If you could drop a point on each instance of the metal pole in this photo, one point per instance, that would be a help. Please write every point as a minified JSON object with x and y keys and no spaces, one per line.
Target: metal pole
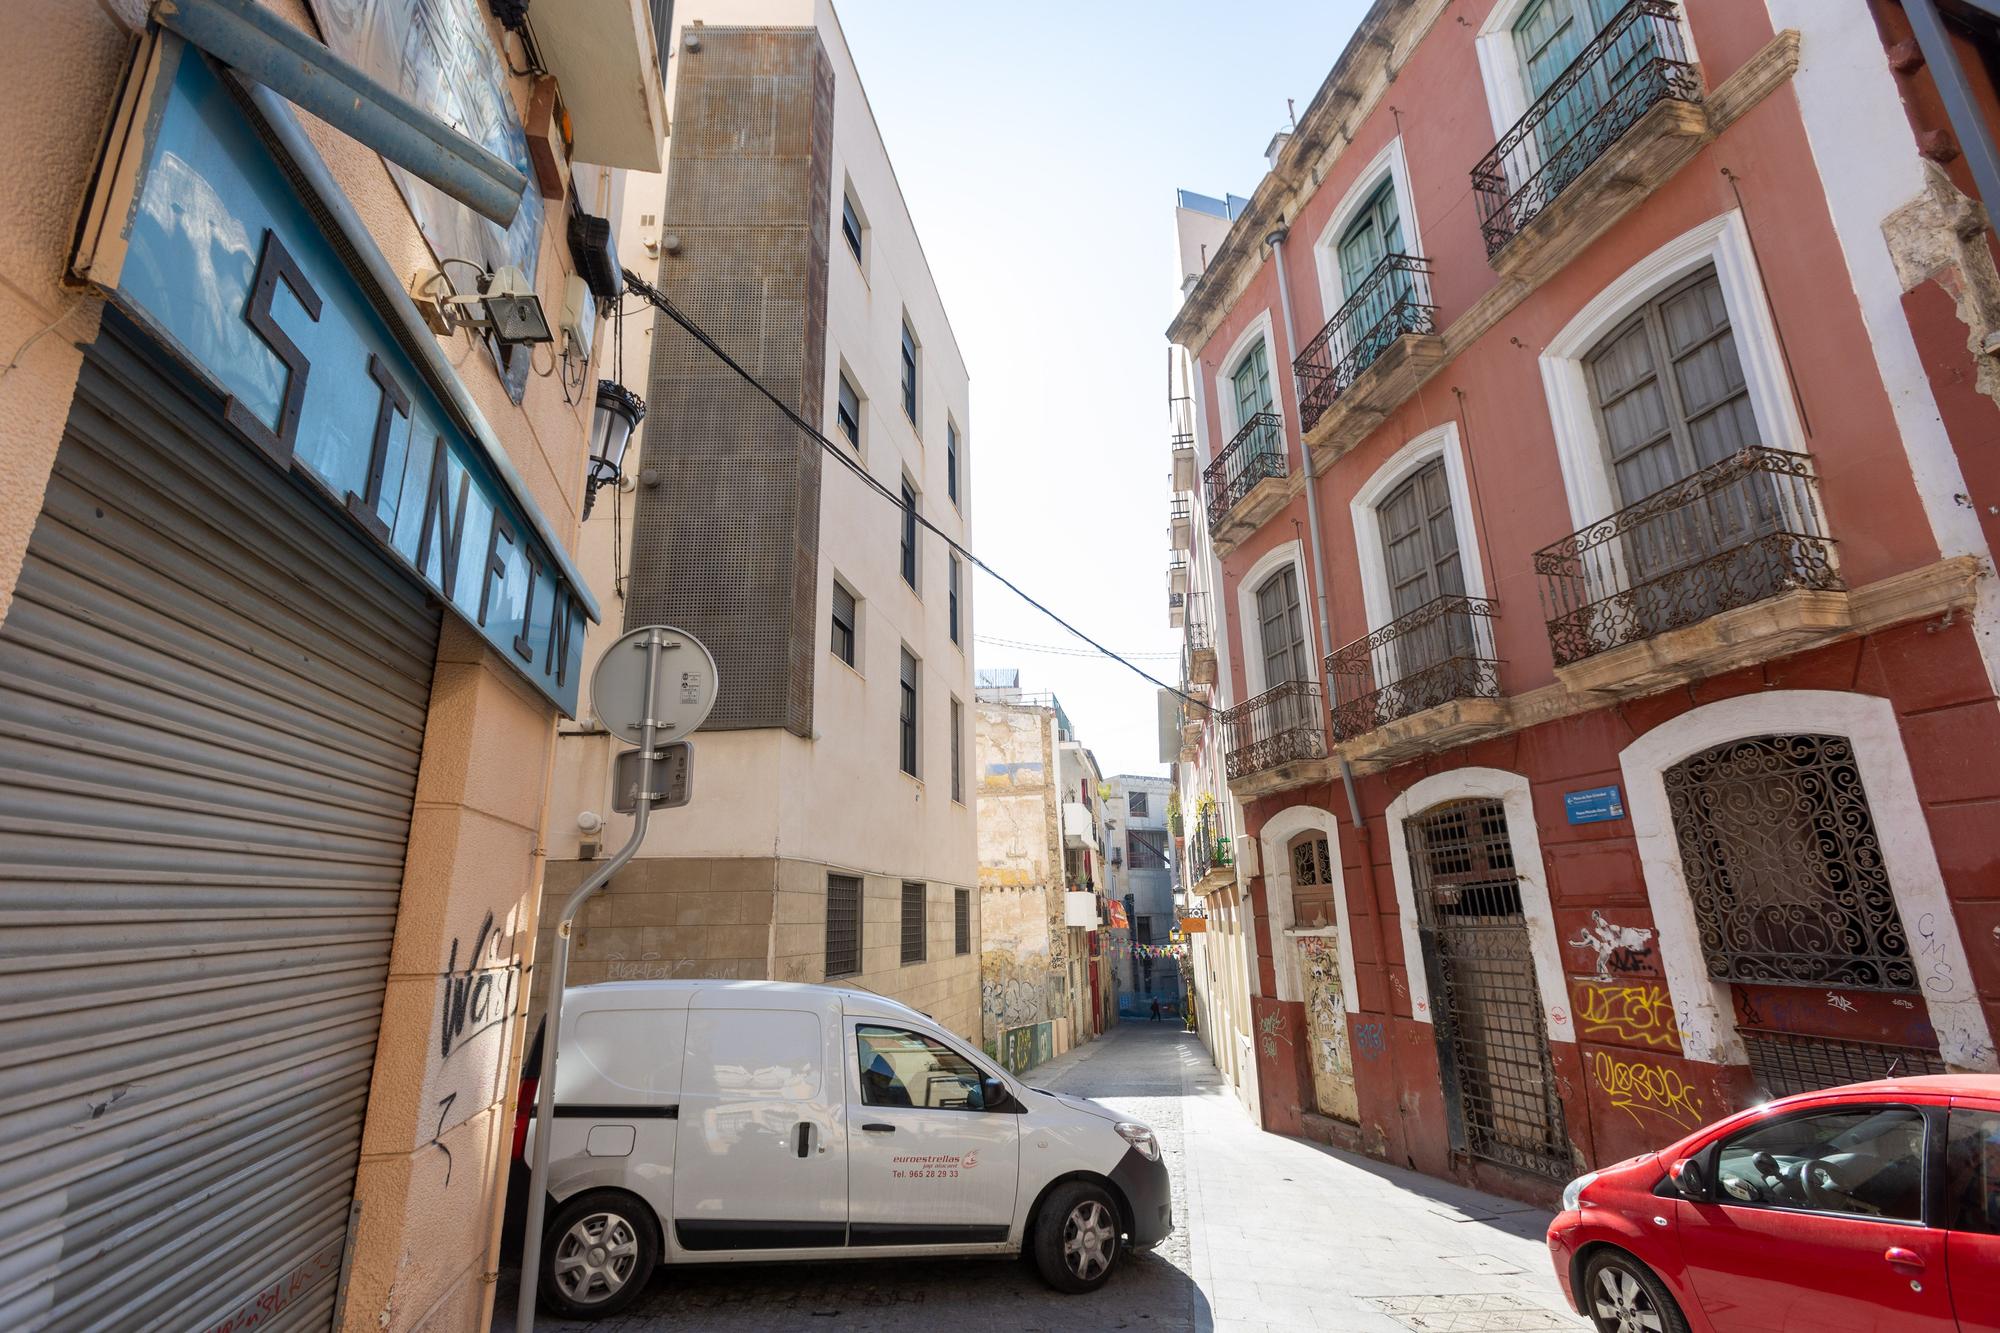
{"x":545,"y":1091}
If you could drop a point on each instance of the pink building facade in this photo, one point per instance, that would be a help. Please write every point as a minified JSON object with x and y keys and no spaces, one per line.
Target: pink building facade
{"x":1606,"y":611}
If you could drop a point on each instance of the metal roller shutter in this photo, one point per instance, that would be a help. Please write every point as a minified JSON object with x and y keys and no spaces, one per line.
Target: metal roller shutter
{"x":212,"y":699}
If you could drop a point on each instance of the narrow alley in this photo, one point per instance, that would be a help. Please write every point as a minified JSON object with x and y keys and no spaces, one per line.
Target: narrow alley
{"x":1325,"y":1241}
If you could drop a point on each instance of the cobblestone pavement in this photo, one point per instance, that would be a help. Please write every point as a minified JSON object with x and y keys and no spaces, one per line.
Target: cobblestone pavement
{"x":1272,"y":1234}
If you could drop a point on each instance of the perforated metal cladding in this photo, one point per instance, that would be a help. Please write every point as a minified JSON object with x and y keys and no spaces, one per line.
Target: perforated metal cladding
{"x":726,"y":545}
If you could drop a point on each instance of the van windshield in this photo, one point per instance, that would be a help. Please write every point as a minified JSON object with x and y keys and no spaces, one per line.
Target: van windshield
{"x":904,"y":1068}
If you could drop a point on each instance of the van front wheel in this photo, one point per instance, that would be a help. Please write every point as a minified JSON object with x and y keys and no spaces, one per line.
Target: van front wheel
{"x":598,"y":1255}
{"x":1076,"y":1237}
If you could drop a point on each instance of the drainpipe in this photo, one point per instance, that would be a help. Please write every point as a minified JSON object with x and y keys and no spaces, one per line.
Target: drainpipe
{"x":1276,"y":240}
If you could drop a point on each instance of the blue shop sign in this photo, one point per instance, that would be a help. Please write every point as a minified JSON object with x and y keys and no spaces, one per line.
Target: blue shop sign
{"x":207,"y":243}
{"x":1594,"y":806}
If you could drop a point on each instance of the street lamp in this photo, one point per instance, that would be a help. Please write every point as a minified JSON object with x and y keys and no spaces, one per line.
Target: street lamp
{"x":619,"y":412}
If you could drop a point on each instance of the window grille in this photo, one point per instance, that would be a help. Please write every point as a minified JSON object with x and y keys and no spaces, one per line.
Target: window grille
{"x":958,"y":751}
{"x":843,"y":624}
{"x":907,"y":724}
{"x":1785,"y":868}
{"x":1783,"y":1063}
{"x":1312,"y":882}
{"x":843,"y":925}
{"x":913,"y":922}
{"x":961,"y":921}
{"x":1487,"y":1008}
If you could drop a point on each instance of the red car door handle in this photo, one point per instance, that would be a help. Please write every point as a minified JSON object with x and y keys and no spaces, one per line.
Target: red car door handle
{"x":1903,"y":1258}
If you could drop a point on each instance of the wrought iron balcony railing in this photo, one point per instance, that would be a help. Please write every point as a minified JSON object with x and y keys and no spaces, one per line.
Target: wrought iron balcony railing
{"x":1438,"y":653}
{"x":1393,"y":300}
{"x":1257,"y":452}
{"x":1278,"y":726}
{"x":1200,"y":634}
{"x":1735,"y":533}
{"x":1637,"y":61}
{"x":1207,"y":850}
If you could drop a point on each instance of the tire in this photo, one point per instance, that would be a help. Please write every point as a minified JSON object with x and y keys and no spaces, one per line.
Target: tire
{"x":1076,"y":1237}
{"x":1622,"y":1295}
{"x":598,"y":1254}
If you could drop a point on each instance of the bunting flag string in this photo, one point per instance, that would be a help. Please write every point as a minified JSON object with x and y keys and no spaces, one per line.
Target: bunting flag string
{"x":1156,"y":950}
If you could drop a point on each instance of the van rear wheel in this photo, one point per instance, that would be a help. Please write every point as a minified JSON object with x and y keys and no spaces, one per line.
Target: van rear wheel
{"x":1076,"y":1237}
{"x":598,"y":1254}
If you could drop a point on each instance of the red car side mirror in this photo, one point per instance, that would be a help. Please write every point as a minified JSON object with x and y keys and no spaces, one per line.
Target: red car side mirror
{"x":1689,"y":1178}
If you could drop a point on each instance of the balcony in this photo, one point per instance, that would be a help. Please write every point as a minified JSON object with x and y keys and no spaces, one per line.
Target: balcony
{"x":1180,"y":417}
{"x":1200,"y":641}
{"x":1246,"y":482}
{"x":1424,"y":682}
{"x":1180,"y":524}
{"x":1727,"y":565}
{"x":1210,"y":863}
{"x":1176,"y":609}
{"x":1276,"y":740}
{"x":1371,"y":356}
{"x":1079,"y":825}
{"x":1626,"y":114}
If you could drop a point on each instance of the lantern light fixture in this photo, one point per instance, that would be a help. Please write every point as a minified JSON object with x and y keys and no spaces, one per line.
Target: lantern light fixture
{"x":619,"y":412}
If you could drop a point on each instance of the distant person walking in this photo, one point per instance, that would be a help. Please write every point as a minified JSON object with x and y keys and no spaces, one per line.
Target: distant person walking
{"x":1156,"y":1011}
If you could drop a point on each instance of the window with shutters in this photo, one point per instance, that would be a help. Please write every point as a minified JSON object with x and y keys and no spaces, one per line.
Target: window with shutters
{"x":913,"y":922}
{"x":907,"y":718}
{"x":961,"y":921}
{"x":843,"y":925}
{"x":957,"y":751}
{"x":846,"y":616}
{"x":951,"y":459}
{"x":909,"y":551}
{"x":847,"y":410}
{"x":955,"y":572}
{"x":1251,"y":380}
{"x":1281,"y":633}
{"x":909,"y":373}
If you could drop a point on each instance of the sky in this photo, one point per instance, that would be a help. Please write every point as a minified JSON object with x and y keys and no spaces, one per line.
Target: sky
{"x":1039,"y":146}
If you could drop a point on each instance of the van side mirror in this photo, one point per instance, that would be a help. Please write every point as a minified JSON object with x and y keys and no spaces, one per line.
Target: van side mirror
{"x":994,"y":1096}
{"x":1689,"y":1178}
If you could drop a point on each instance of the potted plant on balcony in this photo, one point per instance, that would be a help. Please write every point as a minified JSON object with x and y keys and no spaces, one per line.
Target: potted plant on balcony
{"x":1174,"y":825}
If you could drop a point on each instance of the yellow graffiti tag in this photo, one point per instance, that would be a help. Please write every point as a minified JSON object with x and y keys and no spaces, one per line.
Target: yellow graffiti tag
{"x":1633,"y":1087}
{"x":1640,"y":1013}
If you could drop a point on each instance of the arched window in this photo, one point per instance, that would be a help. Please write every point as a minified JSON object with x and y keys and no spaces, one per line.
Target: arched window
{"x":1251,"y":378}
{"x":1311,"y":861}
{"x":1281,"y":632}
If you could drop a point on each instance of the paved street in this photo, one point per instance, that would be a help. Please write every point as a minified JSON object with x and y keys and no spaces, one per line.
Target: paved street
{"x":1274,"y":1234}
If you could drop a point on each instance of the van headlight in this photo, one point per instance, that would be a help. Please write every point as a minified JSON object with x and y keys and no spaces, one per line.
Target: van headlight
{"x":1573,"y":1192}
{"x":1139,"y":1137}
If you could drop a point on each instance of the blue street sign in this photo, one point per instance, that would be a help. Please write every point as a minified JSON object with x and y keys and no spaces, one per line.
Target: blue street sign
{"x":1595,"y":805}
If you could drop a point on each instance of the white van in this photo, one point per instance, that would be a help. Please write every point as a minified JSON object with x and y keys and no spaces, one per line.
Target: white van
{"x":725,"y":1122}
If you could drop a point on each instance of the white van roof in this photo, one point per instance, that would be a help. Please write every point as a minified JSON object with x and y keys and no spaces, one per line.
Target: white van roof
{"x":678,"y":993}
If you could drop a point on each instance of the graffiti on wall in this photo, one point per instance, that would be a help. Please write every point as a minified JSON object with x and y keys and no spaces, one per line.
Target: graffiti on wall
{"x":475,"y":1028}
{"x":1636,"y":1014}
{"x":1326,"y":1028}
{"x":1620,"y":950}
{"x":1640,"y":1088}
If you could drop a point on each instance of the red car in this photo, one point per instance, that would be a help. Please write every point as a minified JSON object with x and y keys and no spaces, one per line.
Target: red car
{"x":1869,"y":1207}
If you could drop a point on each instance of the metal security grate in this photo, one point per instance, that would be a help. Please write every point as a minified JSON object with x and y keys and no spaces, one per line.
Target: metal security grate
{"x":1785,"y":868}
{"x":1784,"y":1063}
{"x":913,"y":922}
{"x":961,"y":921}
{"x":1486,"y":1005}
{"x":843,"y":925}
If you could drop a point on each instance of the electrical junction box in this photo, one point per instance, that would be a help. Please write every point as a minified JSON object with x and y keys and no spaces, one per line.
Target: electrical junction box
{"x":579,"y":316}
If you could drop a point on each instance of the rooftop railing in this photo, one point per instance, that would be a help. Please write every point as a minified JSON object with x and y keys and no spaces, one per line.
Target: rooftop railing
{"x":1256,"y":453}
{"x":1438,"y":653}
{"x":1393,"y":300}
{"x":1733,"y":534}
{"x":1637,"y":61}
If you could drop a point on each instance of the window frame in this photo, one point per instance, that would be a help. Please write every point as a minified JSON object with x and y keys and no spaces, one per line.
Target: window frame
{"x":1389,"y":165}
{"x":1929,"y":1203}
{"x":914,"y":948}
{"x":954,"y":576}
{"x":910,"y":564}
{"x":986,"y":1076}
{"x":857,"y":236}
{"x":1949,"y":1214}
{"x":951,"y":459}
{"x":957,"y":750}
{"x":845,"y":388}
{"x":852,"y":657}
{"x":1138,"y":804}
{"x":961,"y":922}
{"x":909,"y":379}
{"x":909,"y":719}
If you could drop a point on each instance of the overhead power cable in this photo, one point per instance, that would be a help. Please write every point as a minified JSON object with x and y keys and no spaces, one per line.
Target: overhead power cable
{"x":659,"y":300}
{"x":1059,"y":650}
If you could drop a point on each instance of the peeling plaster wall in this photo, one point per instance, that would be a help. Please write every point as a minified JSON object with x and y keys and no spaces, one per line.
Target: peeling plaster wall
{"x":1024,"y":968}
